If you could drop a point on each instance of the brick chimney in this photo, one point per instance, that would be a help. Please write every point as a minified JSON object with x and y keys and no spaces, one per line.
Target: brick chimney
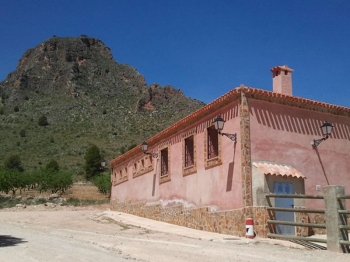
{"x":282,"y":79}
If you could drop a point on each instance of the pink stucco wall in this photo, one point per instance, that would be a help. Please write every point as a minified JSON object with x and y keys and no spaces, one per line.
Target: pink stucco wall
{"x":283,"y":134}
{"x":219,"y":186}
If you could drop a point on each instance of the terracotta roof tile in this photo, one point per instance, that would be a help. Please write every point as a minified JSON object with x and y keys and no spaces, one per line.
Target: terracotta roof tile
{"x":278,"y":170}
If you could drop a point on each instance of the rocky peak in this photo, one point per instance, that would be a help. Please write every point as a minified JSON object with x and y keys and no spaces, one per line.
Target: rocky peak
{"x":68,"y":49}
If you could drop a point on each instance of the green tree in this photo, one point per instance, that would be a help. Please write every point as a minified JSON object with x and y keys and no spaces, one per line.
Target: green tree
{"x":59,"y":181}
{"x":11,"y":180}
{"x":33,"y":179}
{"x":5,"y":183}
{"x":13,"y":162}
{"x":53,"y":165}
{"x":103,"y":183}
{"x":43,"y":121}
{"x":54,"y":181}
{"x":93,"y":161}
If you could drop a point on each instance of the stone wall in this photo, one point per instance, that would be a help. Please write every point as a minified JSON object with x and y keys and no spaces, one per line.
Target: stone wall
{"x":231,"y":222}
{"x":311,"y":218}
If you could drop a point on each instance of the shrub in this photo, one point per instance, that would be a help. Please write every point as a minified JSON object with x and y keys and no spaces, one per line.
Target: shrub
{"x":43,"y":121}
{"x":16,"y":109}
{"x":53,"y":165}
{"x":132,"y":146}
{"x":22,"y":133}
{"x":122,"y":150}
{"x":13,"y":162}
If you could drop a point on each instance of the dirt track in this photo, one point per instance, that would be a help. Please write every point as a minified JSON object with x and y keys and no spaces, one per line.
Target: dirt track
{"x":92,"y":234}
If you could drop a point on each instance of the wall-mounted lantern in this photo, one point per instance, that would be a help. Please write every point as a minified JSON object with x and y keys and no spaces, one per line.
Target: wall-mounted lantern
{"x":219,"y":126}
{"x":144,"y":147}
{"x":327,"y":129}
{"x":103,"y":164}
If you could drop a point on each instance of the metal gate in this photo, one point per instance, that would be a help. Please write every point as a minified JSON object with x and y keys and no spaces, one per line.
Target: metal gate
{"x":276,"y":221}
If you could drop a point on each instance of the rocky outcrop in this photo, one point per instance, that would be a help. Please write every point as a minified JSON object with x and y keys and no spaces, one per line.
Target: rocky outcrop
{"x":157,"y":95}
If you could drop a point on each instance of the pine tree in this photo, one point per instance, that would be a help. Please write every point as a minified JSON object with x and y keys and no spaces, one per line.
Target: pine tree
{"x":93,"y":161}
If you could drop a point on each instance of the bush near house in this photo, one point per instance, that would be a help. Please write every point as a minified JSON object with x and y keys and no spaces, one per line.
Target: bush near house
{"x":103,"y":183}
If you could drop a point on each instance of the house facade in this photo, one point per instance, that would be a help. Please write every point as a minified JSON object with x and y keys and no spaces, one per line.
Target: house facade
{"x":195,"y":176}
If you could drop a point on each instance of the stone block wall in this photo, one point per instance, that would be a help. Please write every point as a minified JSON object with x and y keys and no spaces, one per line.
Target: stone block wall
{"x":231,"y":222}
{"x":310,"y":218}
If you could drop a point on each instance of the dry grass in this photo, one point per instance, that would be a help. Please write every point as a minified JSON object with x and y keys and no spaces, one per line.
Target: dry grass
{"x":81,"y":192}
{"x":84,"y":192}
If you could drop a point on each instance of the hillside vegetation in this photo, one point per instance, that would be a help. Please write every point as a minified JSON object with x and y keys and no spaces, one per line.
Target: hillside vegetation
{"x":69,"y":93}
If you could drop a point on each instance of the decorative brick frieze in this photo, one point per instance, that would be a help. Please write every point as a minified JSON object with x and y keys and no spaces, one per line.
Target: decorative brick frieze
{"x":163,"y":145}
{"x":190,"y":132}
{"x":231,"y":222}
{"x":120,"y":175}
{"x":142,"y":166}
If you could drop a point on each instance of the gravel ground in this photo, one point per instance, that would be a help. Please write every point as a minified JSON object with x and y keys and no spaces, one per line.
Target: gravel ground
{"x":60,"y":233}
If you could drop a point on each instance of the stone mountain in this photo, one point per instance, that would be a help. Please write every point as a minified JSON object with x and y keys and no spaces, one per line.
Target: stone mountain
{"x":87,"y":98}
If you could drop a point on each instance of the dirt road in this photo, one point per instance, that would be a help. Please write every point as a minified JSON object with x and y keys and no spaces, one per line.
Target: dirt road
{"x":91,"y":234}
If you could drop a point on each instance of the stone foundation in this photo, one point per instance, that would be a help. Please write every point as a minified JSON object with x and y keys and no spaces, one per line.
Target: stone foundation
{"x":231,"y":222}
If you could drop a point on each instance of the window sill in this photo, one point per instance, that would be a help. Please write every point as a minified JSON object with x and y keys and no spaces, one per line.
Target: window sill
{"x":164,"y":179}
{"x":213,"y":162}
{"x":189,"y":170}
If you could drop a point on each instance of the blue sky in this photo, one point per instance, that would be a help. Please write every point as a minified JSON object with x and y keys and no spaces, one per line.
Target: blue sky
{"x":205,"y":48}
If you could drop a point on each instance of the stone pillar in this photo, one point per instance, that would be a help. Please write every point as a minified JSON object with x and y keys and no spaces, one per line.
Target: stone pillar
{"x":332,"y":217}
{"x":246,"y":165}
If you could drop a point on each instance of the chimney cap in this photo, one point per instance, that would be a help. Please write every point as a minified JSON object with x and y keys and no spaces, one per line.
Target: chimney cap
{"x":279,"y":68}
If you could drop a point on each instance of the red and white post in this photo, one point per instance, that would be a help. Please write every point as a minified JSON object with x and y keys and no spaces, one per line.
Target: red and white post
{"x":249,"y":228}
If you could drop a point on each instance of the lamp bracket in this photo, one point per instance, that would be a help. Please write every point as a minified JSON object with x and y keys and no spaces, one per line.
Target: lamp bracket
{"x":154,"y":155}
{"x":316,"y":142}
{"x":233,"y":137}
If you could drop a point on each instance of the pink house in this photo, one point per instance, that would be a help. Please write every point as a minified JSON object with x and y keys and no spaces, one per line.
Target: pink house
{"x":195,"y":176}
